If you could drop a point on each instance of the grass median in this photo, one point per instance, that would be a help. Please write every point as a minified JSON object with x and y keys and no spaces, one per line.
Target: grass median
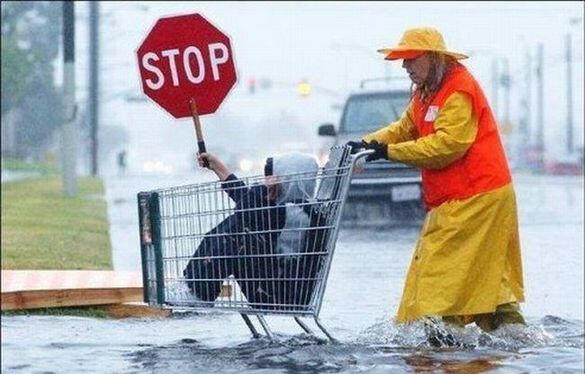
{"x":44,"y":230}
{"x":44,"y":168}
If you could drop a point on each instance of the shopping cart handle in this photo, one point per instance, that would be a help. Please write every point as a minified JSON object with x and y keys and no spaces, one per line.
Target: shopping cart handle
{"x":363,"y":153}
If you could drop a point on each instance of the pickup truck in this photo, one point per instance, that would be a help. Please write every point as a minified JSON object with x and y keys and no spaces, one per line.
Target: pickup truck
{"x":383,"y":191}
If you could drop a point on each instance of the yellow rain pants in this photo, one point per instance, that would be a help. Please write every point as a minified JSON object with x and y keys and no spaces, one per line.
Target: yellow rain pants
{"x":467,"y":259}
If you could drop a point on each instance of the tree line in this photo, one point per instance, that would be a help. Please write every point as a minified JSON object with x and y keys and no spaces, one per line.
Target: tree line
{"x":31,"y":101}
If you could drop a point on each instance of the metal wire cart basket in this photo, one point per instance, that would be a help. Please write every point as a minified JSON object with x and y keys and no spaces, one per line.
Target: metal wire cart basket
{"x":218,"y":245}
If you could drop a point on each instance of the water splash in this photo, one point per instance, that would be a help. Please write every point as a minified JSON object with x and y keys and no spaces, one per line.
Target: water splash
{"x":382,"y":347}
{"x":178,"y":291}
{"x":515,"y":337}
{"x":385,"y":332}
{"x":550,"y":331}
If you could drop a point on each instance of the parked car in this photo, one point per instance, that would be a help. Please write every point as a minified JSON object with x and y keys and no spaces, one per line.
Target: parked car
{"x":384,"y":190}
{"x":566,"y":165}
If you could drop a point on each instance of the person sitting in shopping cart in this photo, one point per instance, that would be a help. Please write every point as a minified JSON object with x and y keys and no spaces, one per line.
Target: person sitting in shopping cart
{"x":264,"y":243}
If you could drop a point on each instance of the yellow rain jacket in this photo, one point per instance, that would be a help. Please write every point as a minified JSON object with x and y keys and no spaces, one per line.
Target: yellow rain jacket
{"x":467,"y":259}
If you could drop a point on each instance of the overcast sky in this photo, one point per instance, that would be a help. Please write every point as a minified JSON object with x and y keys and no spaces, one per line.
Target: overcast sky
{"x":333,"y":45}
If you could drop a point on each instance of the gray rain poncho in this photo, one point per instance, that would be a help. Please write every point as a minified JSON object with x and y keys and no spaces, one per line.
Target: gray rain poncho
{"x":297,"y":174}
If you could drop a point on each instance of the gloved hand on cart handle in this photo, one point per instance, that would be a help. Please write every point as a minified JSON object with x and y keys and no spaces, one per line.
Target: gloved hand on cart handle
{"x":356,"y":146}
{"x":215,"y":164}
{"x":380,"y":150}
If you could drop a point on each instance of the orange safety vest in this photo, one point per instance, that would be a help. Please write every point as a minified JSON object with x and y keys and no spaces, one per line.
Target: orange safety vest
{"x":484,"y":166}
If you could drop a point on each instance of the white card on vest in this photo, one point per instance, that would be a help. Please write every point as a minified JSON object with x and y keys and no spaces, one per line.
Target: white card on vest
{"x":432,"y":113}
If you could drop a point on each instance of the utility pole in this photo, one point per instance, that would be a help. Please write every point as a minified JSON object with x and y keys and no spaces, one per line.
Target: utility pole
{"x":525,"y":101}
{"x":495,"y":84}
{"x":569,"y":98}
{"x":506,"y":83}
{"x":69,"y":134}
{"x":94,"y":82}
{"x":540,"y":107}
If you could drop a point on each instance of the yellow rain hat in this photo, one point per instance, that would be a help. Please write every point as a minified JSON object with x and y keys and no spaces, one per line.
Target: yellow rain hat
{"x":416,"y":41}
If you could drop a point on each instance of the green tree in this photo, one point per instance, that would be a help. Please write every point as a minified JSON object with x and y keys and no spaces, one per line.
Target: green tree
{"x":16,"y":64}
{"x":16,"y":69}
{"x":31,"y":36}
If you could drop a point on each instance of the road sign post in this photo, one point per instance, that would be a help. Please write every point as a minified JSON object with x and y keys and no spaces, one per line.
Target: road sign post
{"x":198,"y":131}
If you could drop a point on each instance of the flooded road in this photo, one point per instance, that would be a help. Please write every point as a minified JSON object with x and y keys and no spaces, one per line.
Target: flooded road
{"x":361,"y":298}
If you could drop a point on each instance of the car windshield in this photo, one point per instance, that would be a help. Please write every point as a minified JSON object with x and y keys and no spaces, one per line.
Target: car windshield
{"x":368,"y":112}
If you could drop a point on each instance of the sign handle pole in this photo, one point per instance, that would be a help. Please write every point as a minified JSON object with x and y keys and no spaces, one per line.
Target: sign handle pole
{"x":198,"y":132}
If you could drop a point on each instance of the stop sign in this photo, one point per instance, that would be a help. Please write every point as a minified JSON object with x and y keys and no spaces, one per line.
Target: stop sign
{"x":185,"y":57}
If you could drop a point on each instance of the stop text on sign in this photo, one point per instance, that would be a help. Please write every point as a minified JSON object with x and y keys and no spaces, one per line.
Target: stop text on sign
{"x":184,"y":58}
{"x":217,"y":54}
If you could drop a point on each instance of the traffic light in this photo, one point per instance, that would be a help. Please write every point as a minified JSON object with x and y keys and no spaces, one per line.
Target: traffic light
{"x":304,"y":88}
{"x":251,"y":85}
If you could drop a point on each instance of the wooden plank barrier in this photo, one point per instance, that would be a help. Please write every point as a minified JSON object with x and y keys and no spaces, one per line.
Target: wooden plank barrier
{"x":29,"y":289}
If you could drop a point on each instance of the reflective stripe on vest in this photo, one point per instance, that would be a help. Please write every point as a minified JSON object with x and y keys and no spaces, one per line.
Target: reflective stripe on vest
{"x":484,"y":166}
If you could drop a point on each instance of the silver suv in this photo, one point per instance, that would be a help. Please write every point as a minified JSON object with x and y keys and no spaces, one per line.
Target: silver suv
{"x":384,"y":190}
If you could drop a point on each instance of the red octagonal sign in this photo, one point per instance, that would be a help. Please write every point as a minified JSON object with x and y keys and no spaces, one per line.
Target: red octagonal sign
{"x":186,"y":57}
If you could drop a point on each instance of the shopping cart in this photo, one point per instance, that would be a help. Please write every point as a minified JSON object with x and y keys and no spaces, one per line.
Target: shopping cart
{"x":201,"y":250}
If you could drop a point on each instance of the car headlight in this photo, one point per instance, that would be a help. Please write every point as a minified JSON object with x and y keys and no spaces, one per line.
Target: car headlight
{"x":157,"y":167}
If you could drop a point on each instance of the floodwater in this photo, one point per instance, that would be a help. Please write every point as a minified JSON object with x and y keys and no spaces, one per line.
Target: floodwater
{"x":362,"y":295}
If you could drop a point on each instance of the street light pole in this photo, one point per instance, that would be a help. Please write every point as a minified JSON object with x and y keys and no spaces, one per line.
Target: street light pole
{"x":495,"y":84}
{"x":505,"y":79}
{"x":94,"y":82}
{"x":525,"y":105}
{"x":540,"y":107}
{"x":569,"y":98}
{"x":69,"y":133}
